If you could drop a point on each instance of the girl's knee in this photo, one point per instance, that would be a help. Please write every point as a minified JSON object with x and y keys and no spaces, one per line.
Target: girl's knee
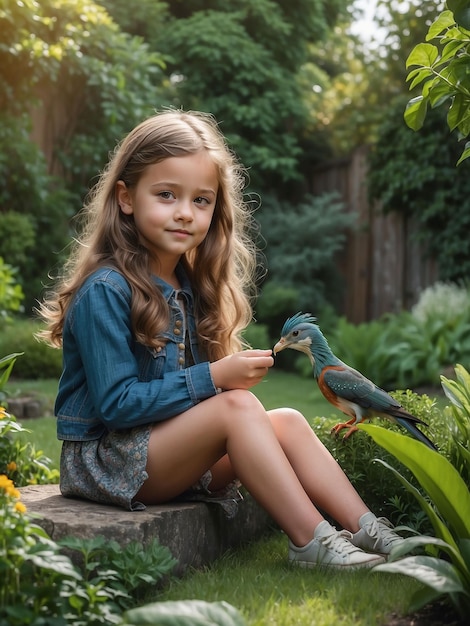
{"x":241,"y":400}
{"x":288,"y":418}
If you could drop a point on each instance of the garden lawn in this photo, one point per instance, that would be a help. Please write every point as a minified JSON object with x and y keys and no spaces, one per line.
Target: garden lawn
{"x":261,"y":584}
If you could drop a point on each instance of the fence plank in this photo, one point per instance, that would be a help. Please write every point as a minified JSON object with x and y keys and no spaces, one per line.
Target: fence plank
{"x":384,"y":267}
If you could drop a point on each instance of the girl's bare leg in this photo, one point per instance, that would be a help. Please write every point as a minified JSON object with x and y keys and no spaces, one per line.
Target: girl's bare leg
{"x":320,"y":475}
{"x":235,"y":424}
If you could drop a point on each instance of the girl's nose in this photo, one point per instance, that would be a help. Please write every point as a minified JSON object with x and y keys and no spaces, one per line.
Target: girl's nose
{"x":184,"y":210}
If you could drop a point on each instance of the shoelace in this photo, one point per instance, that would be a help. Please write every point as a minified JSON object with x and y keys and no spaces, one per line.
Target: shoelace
{"x":380,"y":529}
{"x":339,"y":542}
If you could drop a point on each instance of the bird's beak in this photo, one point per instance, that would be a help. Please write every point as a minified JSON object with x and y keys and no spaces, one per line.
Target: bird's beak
{"x":281,"y":345}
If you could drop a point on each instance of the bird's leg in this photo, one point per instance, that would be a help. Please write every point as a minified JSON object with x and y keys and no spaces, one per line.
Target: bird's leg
{"x":350,"y":424}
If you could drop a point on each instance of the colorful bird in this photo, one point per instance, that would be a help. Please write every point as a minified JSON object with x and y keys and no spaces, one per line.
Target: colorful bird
{"x":346,"y":388}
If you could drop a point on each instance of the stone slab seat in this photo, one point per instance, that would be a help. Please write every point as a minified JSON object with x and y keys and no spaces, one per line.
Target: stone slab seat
{"x":195,"y":533}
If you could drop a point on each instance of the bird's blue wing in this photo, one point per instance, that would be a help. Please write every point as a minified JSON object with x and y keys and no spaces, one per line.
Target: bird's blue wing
{"x":351,"y":385}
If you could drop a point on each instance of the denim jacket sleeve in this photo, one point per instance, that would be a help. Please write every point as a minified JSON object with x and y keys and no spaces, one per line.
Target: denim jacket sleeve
{"x":103,"y":357}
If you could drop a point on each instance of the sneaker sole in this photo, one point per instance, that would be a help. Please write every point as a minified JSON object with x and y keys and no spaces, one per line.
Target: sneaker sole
{"x":347,"y":566}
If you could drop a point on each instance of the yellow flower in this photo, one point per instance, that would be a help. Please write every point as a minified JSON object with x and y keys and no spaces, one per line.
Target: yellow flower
{"x":12,"y":466}
{"x":20,"y":507}
{"x":5,"y":482}
{"x":3,"y":412}
{"x":8,"y":486}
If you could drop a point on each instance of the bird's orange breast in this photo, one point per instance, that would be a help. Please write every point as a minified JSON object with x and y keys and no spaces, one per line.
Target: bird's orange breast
{"x":325,"y":389}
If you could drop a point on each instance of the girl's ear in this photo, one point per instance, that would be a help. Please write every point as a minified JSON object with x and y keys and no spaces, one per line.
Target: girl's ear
{"x":124,"y":198}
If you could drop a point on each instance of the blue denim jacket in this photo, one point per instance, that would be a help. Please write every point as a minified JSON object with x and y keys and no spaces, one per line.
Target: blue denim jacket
{"x":109,"y":381}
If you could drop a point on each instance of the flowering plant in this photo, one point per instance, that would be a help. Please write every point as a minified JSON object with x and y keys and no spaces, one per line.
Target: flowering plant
{"x":19,"y":461}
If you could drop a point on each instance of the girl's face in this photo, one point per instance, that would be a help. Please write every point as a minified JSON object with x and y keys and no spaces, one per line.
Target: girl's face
{"x":172,"y":204}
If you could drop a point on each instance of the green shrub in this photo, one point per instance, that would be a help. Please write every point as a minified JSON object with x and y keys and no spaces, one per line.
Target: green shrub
{"x":256,"y":335}
{"x":405,"y":350}
{"x":457,"y":421}
{"x":19,"y":461}
{"x":40,"y":585}
{"x":445,"y":301}
{"x":39,"y":360}
{"x":445,"y":568}
{"x":11,"y":293}
{"x":17,"y":237}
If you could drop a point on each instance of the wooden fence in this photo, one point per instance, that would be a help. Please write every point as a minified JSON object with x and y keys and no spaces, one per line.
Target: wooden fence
{"x":383,"y":266}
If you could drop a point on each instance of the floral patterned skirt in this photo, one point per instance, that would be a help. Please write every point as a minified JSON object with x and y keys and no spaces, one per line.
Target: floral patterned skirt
{"x":111,"y":470}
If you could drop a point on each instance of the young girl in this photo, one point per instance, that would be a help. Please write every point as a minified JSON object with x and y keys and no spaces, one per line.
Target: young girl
{"x":154,"y":401}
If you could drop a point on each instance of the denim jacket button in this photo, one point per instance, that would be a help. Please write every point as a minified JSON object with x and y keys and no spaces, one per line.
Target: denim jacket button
{"x":178,"y":323}
{"x":181,"y":346}
{"x":177,"y":331}
{"x":181,"y":360}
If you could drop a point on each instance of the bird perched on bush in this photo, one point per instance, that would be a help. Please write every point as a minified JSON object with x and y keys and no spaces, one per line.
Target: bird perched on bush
{"x":346,"y":388}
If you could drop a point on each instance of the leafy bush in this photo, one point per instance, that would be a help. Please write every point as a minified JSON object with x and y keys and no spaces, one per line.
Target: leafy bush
{"x":444,"y":300}
{"x":17,"y":236}
{"x":11,"y":293}
{"x":256,"y":335}
{"x":442,"y":71}
{"x":19,"y":461}
{"x":458,"y":422}
{"x":39,"y":584}
{"x":448,"y":508}
{"x":296,"y":261}
{"x":405,"y":350}
{"x":131,"y":570}
{"x":39,"y":360}
{"x":445,"y":567}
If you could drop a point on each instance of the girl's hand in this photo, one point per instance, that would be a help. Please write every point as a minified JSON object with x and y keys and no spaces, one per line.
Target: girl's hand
{"x":241,"y":370}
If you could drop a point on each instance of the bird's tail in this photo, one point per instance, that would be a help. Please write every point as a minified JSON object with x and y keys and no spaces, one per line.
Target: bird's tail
{"x":414,"y":430}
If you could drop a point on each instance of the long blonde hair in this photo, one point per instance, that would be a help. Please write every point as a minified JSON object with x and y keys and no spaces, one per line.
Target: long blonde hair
{"x":221,"y":269}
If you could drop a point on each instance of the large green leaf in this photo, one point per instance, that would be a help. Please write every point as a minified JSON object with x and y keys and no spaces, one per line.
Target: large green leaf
{"x":415,"y":112}
{"x":444,"y":20}
{"x":465,"y":154}
{"x":185,"y":613}
{"x":436,"y":475}
{"x":435,"y":573}
{"x":440,"y":528}
{"x":423,"y":54}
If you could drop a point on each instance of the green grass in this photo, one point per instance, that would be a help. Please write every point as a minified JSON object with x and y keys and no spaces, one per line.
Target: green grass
{"x":260,"y":583}
{"x":42,"y":429}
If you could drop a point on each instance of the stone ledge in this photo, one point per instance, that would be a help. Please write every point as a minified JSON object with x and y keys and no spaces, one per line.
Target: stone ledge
{"x":195,"y":533}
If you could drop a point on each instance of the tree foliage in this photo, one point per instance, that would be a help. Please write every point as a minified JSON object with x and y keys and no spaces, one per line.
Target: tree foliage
{"x":441,"y":71}
{"x":95,"y":83}
{"x":303,"y":241}
{"x":240,"y":61}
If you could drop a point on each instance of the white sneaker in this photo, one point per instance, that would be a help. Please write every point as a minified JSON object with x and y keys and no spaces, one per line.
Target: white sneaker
{"x":376,"y":535}
{"x":332,"y":548}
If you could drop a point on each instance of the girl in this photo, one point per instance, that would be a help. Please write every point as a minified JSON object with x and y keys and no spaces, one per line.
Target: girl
{"x":154,"y":399}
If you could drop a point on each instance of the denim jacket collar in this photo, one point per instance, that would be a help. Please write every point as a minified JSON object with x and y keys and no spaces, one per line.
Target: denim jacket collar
{"x":169,"y":291}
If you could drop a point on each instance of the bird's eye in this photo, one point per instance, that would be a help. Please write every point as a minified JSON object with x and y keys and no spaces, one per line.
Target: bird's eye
{"x":295,"y":333}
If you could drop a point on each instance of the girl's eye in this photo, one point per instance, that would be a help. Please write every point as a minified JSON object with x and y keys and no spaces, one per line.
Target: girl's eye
{"x":201,"y":200}
{"x":166,"y":195}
